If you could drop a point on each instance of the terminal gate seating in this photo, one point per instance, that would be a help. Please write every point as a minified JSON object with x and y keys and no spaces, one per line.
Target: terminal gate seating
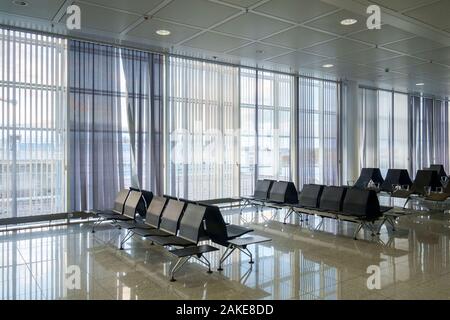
{"x":368,"y":174}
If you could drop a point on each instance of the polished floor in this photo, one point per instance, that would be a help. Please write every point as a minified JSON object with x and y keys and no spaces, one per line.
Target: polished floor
{"x":300,"y":262}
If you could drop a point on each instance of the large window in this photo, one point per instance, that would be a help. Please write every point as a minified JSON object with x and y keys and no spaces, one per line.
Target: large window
{"x":267,"y":102}
{"x":318,"y":132}
{"x":203,"y":118}
{"x":32,"y":124}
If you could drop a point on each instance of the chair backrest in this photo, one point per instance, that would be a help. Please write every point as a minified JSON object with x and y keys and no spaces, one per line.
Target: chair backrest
{"x":332,"y":198}
{"x":191,"y":224}
{"x":146,"y":199}
{"x":425,"y":178}
{"x":170,"y":218}
{"x":368,"y":174}
{"x":439,"y":168}
{"x":155,"y":211}
{"x":361,"y":203}
{"x":283,"y":192}
{"x":262,"y":189}
{"x":396,"y":177}
{"x":215,"y":227}
{"x":310,"y":195}
{"x":131,"y":204}
{"x":119,"y":202}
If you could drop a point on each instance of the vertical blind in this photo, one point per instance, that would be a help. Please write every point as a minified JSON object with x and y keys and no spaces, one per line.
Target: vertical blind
{"x":318,"y":139}
{"x":203,"y":121}
{"x":115,"y":111}
{"x":32,"y":124}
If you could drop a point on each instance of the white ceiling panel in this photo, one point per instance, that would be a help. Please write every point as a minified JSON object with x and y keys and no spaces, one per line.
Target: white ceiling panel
{"x":298,"y":38}
{"x":215,"y":42}
{"x":398,"y":63}
{"x":104,"y":19}
{"x":147,"y":30}
{"x":332,"y":23}
{"x":296,"y":10}
{"x":242,"y":3}
{"x":252,"y":26}
{"x":200,"y":13}
{"x":257,"y":51}
{"x":439,"y":55}
{"x":381,"y":36}
{"x":414,"y":45}
{"x":337,"y":48}
{"x":369,"y":56}
{"x":135,"y":6}
{"x":43,"y":9}
{"x":297,"y":59}
{"x":430,"y":70}
{"x":401,"y":5}
{"x":435,"y":14}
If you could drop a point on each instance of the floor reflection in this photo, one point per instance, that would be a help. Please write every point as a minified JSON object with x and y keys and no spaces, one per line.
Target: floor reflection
{"x":300,"y":263}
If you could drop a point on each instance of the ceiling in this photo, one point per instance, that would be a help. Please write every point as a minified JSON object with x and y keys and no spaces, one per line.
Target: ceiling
{"x":297,"y":36}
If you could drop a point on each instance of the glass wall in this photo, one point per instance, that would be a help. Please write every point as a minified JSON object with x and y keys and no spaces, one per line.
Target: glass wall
{"x":33,"y":106}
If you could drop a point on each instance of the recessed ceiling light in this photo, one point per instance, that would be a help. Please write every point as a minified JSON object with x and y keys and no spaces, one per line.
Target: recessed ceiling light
{"x":20,"y":3}
{"x":259,"y":51}
{"x":328,"y":65}
{"x":163,"y":32}
{"x":348,"y":22}
{"x":420,"y":84}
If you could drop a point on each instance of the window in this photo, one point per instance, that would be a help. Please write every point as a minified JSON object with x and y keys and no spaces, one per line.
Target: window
{"x":32,"y":124}
{"x":318,"y":132}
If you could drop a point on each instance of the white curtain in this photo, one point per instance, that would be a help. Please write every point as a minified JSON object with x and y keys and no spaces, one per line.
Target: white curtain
{"x":440,"y":134}
{"x":369,"y":127}
{"x":318,"y":125}
{"x":203,"y":123}
{"x":32,"y":124}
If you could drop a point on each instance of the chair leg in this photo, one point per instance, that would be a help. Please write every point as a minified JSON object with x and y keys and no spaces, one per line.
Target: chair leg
{"x":126,"y":238}
{"x":360,"y":225}
{"x":180,"y":263}
{"x":247,"y":252}
{"x":97,"y":223}
{"x":206,"y":262}
{"x":225,"y":255}
{"x":407,"y":200}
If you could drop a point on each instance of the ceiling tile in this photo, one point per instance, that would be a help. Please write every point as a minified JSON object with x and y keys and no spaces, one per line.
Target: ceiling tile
{"x":386,"y":34}
{"x":332,"y":22}
{"x":398,"y":62}
{"x":336,"y":48}
{"x":296,"y":10}
{"x":435,"y":14}
{"x":413,"y":45}
{"x":342,"y":68}
{"x":43,"y":9}
{"x":257,"y":51}
{"x":200,"y":13}
{"x":147,"y":30}
{"x":369,"y":56}
{"x":103,"y":19}
{"x":215,"y":42}
{"x":298,"y":38}
{"x":439,"y":55}
{"x":400,"y":5}
{"x":140,"y":7}
{"x":252,"y":26}
{"x":427,"y":70}
{"x":242,"y":3}
{"x":297,"y":59}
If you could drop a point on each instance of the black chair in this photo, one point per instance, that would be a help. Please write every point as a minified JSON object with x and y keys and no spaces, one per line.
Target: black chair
{"x":119,"y":204}
{"x":439,"y":168}
{"x":147,"y":197}
{"x":229,"y":235}
{"x":283,"y":192}
{"x":368,"y":174}
{"x":129,"y":210}
{"x":398,"y":177}
{"x":260,"y":195}
{"x":424,"y":178}
{"x":332,"y":199}
{"x":308,"y":198}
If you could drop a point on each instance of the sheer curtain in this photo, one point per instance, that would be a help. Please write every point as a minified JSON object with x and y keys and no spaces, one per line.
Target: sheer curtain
{"x":32,"y":124}
{"x":111,"y":110}
{"x":318,"y":132}
{"x":440,"y":134}
{"x":421,"y":132}
{"x":203,"y":123}
{"x":369,"y":127}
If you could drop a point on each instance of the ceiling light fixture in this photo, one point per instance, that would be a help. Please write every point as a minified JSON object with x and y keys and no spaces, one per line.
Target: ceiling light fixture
{"x":259,"y":51}
{"x":328,"y":65}
{"x":420,"y":84}
{"x":348,"y":22}
{"x":163,"y":32}
{"x":20,"y":3}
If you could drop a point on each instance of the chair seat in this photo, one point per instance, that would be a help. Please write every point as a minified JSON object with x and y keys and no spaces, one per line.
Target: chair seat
{"x":194,"y":250}
{"x":132,"y":224}
{"x":237,"y":231}
{"x":171,"y":241}
{"x":150,"y":232}
{"x":402,"y":193}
